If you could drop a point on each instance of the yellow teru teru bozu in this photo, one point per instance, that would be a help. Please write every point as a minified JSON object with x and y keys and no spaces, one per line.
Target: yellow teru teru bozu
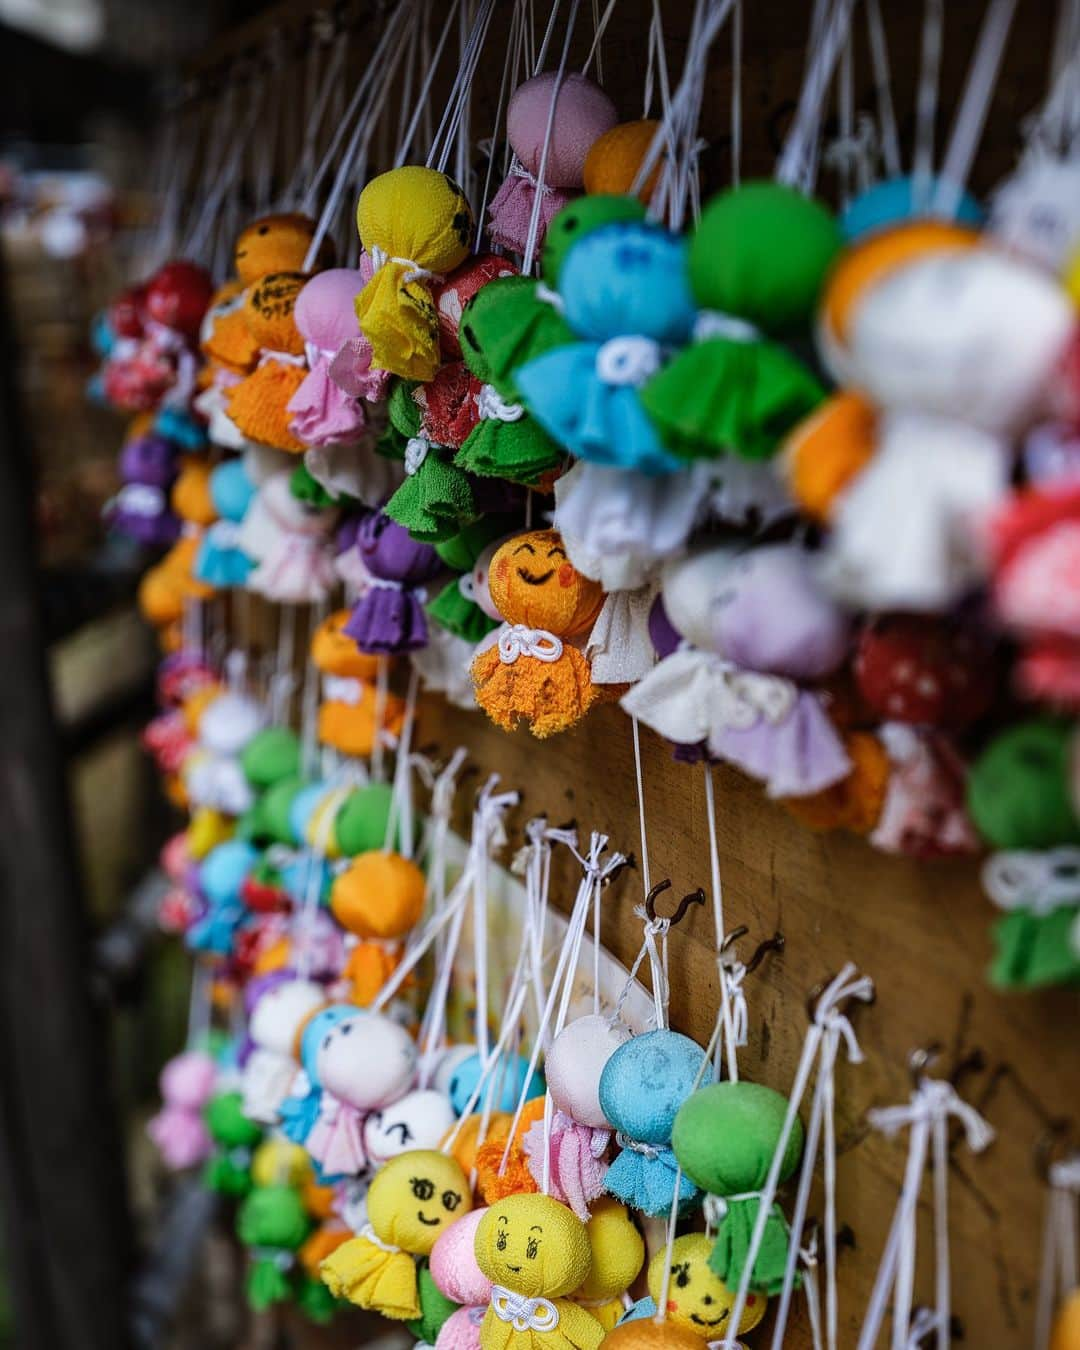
{"x":535,"y":1251}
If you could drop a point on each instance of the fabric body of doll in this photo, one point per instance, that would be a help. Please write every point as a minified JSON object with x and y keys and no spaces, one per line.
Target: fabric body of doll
{"x":290,"y":543}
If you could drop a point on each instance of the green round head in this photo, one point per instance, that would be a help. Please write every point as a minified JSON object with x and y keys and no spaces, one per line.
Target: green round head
{"x":227,"y":1123}
{"x":1018,"y":790}
{"x":725,"y":1136}
{"x":273,"y":1216}
{"x":504,"y":325}
{"x":761,"y":252}
{"x":579,"y":218}
{"x":360,"y":824}
{"x":309,"y":490}
{"x":274,"y":807}
{"x":461,"y":550}
{"x":270,"y":756}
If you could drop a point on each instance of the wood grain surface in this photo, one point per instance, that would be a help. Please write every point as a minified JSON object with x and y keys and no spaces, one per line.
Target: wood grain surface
{"x":919,"y":929}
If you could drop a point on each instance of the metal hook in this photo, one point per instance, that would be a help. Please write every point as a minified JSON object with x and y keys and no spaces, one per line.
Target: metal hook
{"x":694,"y":898}
{"x":776,"y":943}
{"x":920,"y":1061}
{"x":1057,"y":1142}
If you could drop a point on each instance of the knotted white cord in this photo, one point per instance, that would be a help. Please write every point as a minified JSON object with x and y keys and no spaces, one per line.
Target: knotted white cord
{"x":518,"y":639}
{"x":927,"y":1113}
{"x":1037,"y":881}
{"x":523,"y":1314}
{"x":1059,"y":1273}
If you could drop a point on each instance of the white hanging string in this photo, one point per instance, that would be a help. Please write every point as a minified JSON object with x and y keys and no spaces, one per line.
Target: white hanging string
{"x":971,"y":116}
{"x":646,"y":879}
{"x":599,"y":29}
{"x":230,"y":172}
{"x":461,"y":90}
{"x":328,"y":81}
{"x":926,"y":101}
{"x":730,"y":973}
{"x":1059,"y":1273}
{"x":879,"y":59}
{"x":560,"y":73}
{"x":517,"y":24}
{"x":309,"y":699}
{"x":830,"y":1025}
{"x":736,"y":92}
{"x":399,"y":819}
{"x":927,"y":1114}
{"x":432,"y":65}
{"x":796,"y":165}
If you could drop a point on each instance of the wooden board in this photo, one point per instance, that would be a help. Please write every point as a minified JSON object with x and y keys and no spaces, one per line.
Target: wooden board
{"x":919,"y":929}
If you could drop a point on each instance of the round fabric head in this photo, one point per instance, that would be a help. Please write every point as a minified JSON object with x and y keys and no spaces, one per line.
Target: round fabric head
{"x":452,"y":295}
{"x":188,"y":1080}
{"x":725,"y":1136}
{"x":511,"y":1074}
{"x":229,"y":722}
{"x":388,"y":552}
{"x":698,"y":1300}
{"x":613,"y":162}
{"x":420,"y":1119}
{"x":177,"y":296}
{"x":646,"y":1081}
{"x":532,"y":582}
{"x":1018,"y":790}
{"x":448,"y":1063}
{"x":273,"y":1216}
{"x":1036,"y":212}
{"x":271,"y":756}
{"x":628,"y":280}
{"x":274,"y":244}
{"x":453,"y":1261}
{"x":414,"y":1197}
{"x":223,"y":870}
{"x":191,"y":498}
{"x":416,"y":213}
{"x":314,"y":1031}
{"x":149,"y":459}
{"x":645,"y":1334}
{"x":931,"y":670}
{"x":282,"y":1010}
{"x":896,"y":201}
{"x":617,"y":1251}
{"x":533,"y":1245}
{"x":335,"y":653}
{"x":326,"y":308}
{"x":575,"y":1062}
{"x":973,"y":334}
{"x":279,"y":1162}
{"x":577,"y":219}
{"x":366,"y":1060}
{"x":231,"y":490}
{"x":361,"y":823}
{"x":772,"y":615}
{"x":583,"y":112}
{"x":761,"y":252}
{"x":689,"y":587}
{"x":268,"y":312}
{"x":481,"y":580}
{"x":379,"y":895}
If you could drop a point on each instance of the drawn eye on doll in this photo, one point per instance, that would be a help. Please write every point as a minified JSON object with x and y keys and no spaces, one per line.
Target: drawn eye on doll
{"x":524,"y":548}
{"x":450,"y":1200}
{"x":500,"y":1244}
{"x":682,"y":1274}
{"x":532,"y":1245}
{"x":404,"y":1133}
{"x":422,"y":1188}
{"x":557,"y":551}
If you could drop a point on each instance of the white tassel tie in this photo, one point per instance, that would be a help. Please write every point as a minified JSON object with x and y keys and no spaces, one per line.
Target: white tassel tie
{"x":414,"y":272}
{"x":416,"y":451}
{"x":517,"y":639}
{"x":628,"y":361}
{"x":492,"y":407}
{"x":523,"y":1314}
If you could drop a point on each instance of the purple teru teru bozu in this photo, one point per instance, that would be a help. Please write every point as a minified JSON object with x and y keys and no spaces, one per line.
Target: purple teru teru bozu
{"x":389,"y":617}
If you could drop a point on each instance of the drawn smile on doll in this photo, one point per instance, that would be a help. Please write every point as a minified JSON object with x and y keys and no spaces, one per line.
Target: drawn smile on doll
{"x":430,"y":1223}
{"x":530,"y":580}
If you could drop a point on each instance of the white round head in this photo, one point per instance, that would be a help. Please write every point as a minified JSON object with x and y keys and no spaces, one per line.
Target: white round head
{"x":366,"y":1061}
{"x":972,"y":334}
{"x":691,"y":588}
{"x":1036,"y":212}
{"x":451,"y":1058}
{"x":574,"y":1065}
{"x":229,"y":722}
{"x":279,"y":1014}
{"x":419,"y":1120}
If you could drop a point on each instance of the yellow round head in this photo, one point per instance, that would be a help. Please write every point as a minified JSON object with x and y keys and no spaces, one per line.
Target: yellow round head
{"x":416,"y":213}
{"x":698,"y":1300}
{"x":533,"y":1245}
{"x":275,"y":244}
{"x":617,"y":1251}
{"x":415,"y":1196}
{"x":277,"y":1162}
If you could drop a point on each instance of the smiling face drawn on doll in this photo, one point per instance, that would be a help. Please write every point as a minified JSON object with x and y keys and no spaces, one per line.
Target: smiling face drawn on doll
{"x":698,"y":1300}
{"x":418,"y":1121}
{"x":415,"y":1196}
{"x":533,"y":1245}
{"x":530,"y":560}
{"x":533,"y":582}
{"x":366,"y":1061}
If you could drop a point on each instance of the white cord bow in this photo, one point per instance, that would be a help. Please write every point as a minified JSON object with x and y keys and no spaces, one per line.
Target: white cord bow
{"x":523,"y":1314}
{"x":628,"y":360}
{"x":928,"y":1113}
{"x":416,"y":451}
{"x":492,"y":407}
{"x":1038,"y":881}
{"x":518,"y":639}
{"x":414,"y":272}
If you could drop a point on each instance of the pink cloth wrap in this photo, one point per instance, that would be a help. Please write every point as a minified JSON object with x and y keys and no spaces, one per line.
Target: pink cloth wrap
{"x":578,"y":1165}
{"x":180,"y":1137}
{"x":511,"y":210}
{"x":461,"y":1330}
{"x":336,"y":1141}
{"x":350,"y":366}
{"x":322,"y":413}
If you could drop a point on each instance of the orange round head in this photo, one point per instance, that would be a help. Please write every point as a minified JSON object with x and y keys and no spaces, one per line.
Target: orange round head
{"x":646,"y":1334}
{"x":276,"y":244}
{"x":613,"y":162}
{"x":191,"y":499}
{"x":827,"y":450}
{"x":335,"y":653}
{"x":268,"y":312}
{"x":379,"y":895}
{"x":161,"y":597}
{"x":534,"y":583}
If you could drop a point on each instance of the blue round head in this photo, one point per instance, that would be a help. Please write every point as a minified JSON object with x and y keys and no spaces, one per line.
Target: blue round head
{"x":305,"y":871}
{"x":223,"y":870}
{"x":231,"y":490}
{"x":507,"y":1079}
{"x":312,"y":1035}
{"x":898,"y":200}
{"x":303,"y":807}
{"x":646,"y":1081}
{"x":628,"y":280}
